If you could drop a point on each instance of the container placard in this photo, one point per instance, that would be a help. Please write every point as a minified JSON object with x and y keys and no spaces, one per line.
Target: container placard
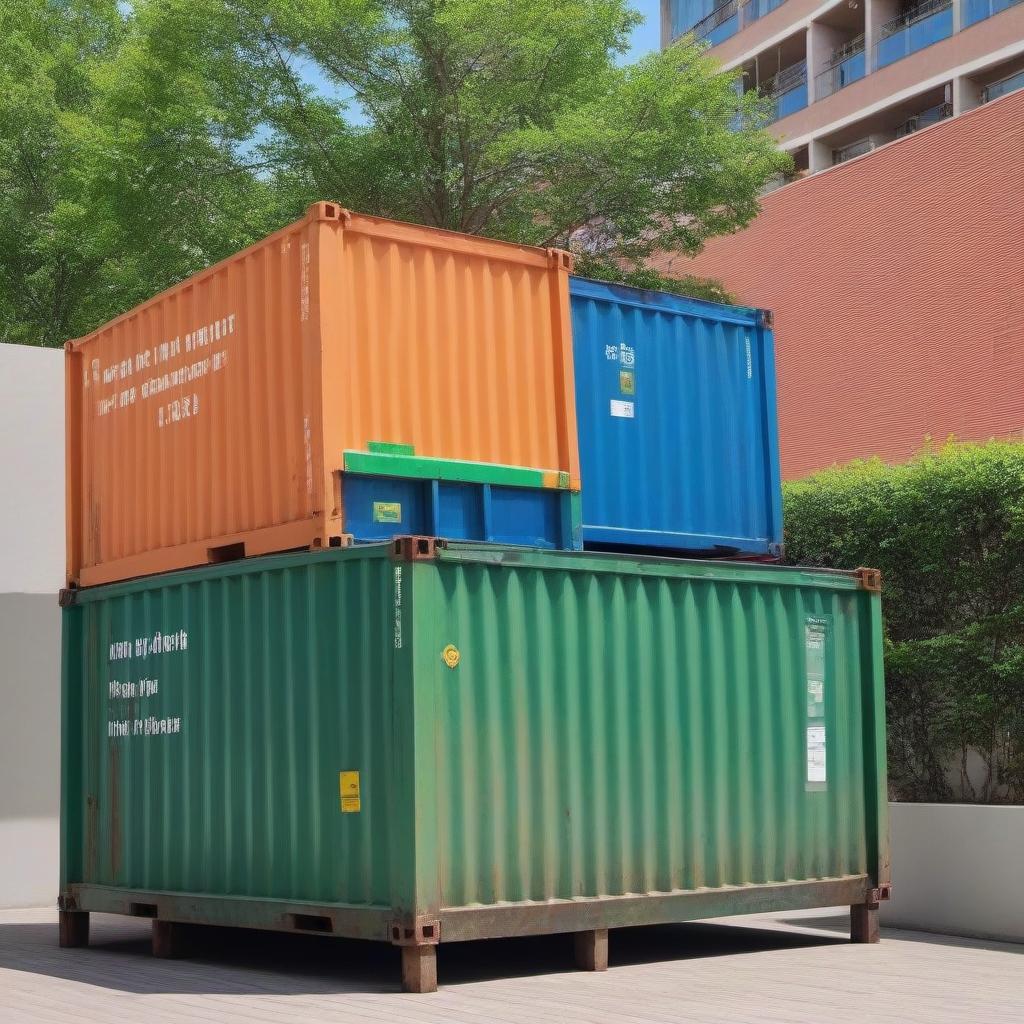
{"x":348,"y":783}
{"x":387,"y":512}
{"x":815,"y":648}
{"x":624,"y":410}
{"x":816,"y":753}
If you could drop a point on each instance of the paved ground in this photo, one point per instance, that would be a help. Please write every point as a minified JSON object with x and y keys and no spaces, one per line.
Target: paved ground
{"x":783,"y":968}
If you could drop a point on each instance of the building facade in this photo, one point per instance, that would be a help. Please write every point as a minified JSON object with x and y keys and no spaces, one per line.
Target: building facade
{"x":851,"y":75}
{"x":897,"y":281}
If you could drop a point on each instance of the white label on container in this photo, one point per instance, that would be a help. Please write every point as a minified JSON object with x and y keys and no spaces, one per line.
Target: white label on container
{"x":622,"y":409}
{"x":815,"y":753}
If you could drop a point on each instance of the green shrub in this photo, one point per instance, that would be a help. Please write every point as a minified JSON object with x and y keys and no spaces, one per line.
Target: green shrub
{"x":947,"y":531}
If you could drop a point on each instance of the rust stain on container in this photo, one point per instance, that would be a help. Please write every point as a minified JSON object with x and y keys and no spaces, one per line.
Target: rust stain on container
{"x":209,"y":423}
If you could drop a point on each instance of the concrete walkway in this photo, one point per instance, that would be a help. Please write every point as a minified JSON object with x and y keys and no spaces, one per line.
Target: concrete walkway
{"x":784,"y":968}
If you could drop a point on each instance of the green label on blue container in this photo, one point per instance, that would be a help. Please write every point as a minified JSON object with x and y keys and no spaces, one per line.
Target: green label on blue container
{"x":387,"y":512}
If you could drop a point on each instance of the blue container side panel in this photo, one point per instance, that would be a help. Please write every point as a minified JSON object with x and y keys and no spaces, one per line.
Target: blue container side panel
{"x":378,"y":508}
{"x":675,"y":403}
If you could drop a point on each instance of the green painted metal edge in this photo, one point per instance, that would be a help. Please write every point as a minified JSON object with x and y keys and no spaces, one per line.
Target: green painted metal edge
{"x":649,"y":565}
{"x":419,"y":467}
{"x":222,"y":570}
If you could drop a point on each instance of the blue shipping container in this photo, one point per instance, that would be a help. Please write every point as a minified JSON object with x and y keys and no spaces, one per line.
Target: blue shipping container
{"x":675,"y":404}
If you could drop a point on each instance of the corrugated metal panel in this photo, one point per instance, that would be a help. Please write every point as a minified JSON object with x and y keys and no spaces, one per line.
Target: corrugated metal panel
{"x":617,"y":727}
{"x":898,"y":288}
{"x":216,"y":414}
{"x":603,"y":726}
{"x":284,"y":683}
{"x":676,"y":410}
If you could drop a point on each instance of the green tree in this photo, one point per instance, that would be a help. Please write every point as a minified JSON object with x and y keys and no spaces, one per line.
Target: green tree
{"x":121,"y":162}
{"x":947,"y":531}
{"x":515,"y":120}
{"x":141,"y":142}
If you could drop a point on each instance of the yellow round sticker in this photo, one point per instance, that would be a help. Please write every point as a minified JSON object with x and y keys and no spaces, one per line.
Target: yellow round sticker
{"x":451,"y":655}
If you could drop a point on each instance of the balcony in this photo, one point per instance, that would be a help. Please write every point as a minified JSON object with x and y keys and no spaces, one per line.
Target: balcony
{"x":847,"y":64}
{"x":855,"y":149}
{"x":927,"y":117}
{"x":926,"y":23}
{"x":979,"y":10}
{"x":997,"y":89}
{"x":754,"y":9}
{"x":719,"y":25}
{"x":789,"y":90}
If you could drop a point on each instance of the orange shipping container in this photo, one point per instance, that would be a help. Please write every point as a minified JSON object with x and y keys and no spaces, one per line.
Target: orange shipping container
{"x":210,"y":422}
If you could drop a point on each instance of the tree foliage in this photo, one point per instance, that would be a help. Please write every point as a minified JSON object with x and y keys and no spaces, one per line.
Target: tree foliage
{"x":120,"y":168}
{"x":140,"y":142}
{"x":947,"y":531}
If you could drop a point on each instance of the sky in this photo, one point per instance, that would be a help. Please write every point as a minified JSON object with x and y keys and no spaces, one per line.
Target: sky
{"x":647,"y":36}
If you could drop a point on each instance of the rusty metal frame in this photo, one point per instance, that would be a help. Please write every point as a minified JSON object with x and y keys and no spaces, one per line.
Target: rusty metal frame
{"x":869,"y":579}
{"x":460,"y":924}
{"x":416,"y":548}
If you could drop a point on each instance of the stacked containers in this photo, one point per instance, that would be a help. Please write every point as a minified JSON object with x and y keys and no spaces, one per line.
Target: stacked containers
{"x":675,"y":400}
{"x":213,"y":421}
{"x":371,"y":742}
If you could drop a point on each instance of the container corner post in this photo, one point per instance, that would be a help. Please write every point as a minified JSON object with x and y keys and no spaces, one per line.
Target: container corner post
{"x":167,"y":939}
{"x":73,"y":928}
{"x":591,"y":949}
{"x":418,"y":942}
{"x":864,"y":916}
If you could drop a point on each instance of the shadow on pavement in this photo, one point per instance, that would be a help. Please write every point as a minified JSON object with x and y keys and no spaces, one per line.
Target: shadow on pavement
{"x":239,"y":961}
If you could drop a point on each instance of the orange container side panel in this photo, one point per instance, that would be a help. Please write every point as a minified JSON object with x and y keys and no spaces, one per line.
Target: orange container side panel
{"x":454,"y":344}
{"x":210,"y":421}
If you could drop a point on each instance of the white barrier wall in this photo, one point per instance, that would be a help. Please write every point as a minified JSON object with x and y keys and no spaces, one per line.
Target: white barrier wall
{"x":957,"y":869}
{"x":31,"y":573}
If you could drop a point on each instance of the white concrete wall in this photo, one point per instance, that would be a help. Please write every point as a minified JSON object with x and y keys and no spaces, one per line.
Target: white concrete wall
{"x":31,"y":573}
{"x":958,"y":869}
{"x":31,"y":469}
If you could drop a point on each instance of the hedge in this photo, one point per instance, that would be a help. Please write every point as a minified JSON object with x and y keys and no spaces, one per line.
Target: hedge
{"x":947,"y":531}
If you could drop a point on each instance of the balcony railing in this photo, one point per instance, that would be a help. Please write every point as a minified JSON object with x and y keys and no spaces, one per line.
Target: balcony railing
{"x":789,"y":90}
{"x":847,"y":64}
{"x":719,"y":25}
{"x":927,"y":23}
{"x":754,"y":9}
{"x":840,"y":156}
{"x":979,"y":10}
{"x":997,"y":89}
{"x":927,"y":117}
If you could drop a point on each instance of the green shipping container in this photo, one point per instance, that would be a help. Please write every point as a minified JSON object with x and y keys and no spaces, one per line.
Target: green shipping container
{"x":417,"y":743}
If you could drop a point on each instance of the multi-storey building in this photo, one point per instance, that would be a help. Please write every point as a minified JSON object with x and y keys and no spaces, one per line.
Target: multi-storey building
{"x":850,"y":75}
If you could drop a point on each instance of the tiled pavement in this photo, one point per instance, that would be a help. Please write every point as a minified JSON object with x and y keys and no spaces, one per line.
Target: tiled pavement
{"x":782,"y":968}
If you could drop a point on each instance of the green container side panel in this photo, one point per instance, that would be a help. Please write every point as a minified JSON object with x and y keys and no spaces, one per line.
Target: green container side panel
{"x":285,"y":683}
{"x":604,"y":725}
{"x":608,"y":733}
{"x":418,"y":467}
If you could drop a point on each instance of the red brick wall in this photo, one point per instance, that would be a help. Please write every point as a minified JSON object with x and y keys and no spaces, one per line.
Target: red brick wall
{"x":897,"y":282}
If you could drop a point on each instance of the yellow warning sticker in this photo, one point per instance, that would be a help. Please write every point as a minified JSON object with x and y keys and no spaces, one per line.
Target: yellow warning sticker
{"x":627,"y":382}
{"x":451,"y":655}
{"x":348,"y":783}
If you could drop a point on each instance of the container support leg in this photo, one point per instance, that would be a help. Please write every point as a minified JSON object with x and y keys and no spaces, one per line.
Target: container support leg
{"x":73,"y":927}
{"x":419,"y":968}
{"x":167,"y":939}
{"x":592,"y":949}
{"x":864,"y":922}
